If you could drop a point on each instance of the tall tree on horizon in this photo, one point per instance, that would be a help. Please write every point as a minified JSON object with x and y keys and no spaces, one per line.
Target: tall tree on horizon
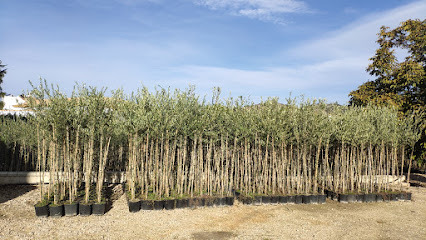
{"x":401,"y":84}
{"x":2,"y":73}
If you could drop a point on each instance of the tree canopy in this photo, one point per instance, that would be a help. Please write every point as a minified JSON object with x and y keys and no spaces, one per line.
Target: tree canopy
{"x":401,"y":84}
{"x":2,"y":73}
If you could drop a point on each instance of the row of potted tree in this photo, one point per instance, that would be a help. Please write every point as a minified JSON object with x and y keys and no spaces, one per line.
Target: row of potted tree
{"x":174,"y":145}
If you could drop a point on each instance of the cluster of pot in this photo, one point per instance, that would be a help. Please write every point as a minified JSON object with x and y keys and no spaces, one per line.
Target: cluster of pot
{"x":369,"y":197}
{"x":170,"y":204}
{"x":291,"y":199}
{"x":74,"y":209}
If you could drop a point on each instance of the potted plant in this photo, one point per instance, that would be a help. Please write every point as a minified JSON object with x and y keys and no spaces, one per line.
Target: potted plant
{"x":257,"y":200}
{"x":56,"y":210}
{"x":298,"y":199}
{"x":158,"y":204}
{"x":275,"y":199}
{"x":322,"y":198}
{"x":133,"y":203}
{"x":291,"y":199}
{"x":229,"y":201}
{"x":306,"y":199}
{"x":283,"y":199}
{"x":169,"y":204}
{"x":99,"y":207}
{"x":146,"y":204}
{"x":41,"y":208}
{"x":71,"y":208}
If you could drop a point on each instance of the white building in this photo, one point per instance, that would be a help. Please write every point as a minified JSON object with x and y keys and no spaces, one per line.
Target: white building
{"x":12,"y":106}
{"x":12,"y":102}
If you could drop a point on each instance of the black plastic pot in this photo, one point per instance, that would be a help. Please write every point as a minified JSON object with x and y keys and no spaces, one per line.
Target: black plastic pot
{"x":306,"y":199}
{"x":194,"y":202}
{"x":257,"y":200}
{"x":370,"y":197}
{"x":352,"y":198}
{"x":134,"y":206}
{"x":283,"y":199}
{"x":266,"y":199}
{"x":85,"y":209}
{"x":146,"y":205}
{"x":41,"y":211}
{"x":71,"y":209}
{"x":218,"y":201}
{"x":379,"y":198}
{"x":314,"y":199}
{"x":202,"y":202}
{"x":298,"y":199}
{"x":179,"y":204}
{"x":98,"y":209}
{"x":230,"y":201}
{"x":291,"y":199}
{"x":247,"y":200}
{"x":393,"y":197}
{"x":184,"y":203}
{"x":158,"y":205}
{"x":343,"y":198}
{"x":226,"y":201}
{"x":360,"y":198}
{"x":169,"y":204}
{"x":335,"y":196}
{"x":275,"y":199}
{"x":56,"y":210}
{"x":209,"y":202}
{"x":322,"y":198}
{"x":407,"y":196}
{"x":329,"y":193}
{"x":386,"y":197}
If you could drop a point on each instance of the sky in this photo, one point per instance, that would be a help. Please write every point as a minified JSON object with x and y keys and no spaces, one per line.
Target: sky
{"x":250,"y":48}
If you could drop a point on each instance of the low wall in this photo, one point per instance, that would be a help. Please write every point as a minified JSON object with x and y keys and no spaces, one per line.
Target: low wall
{"x":34,"y":177}
{"x":120,"y":177}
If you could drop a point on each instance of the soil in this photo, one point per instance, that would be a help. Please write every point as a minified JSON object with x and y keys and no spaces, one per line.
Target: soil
{"x":333,"y":220}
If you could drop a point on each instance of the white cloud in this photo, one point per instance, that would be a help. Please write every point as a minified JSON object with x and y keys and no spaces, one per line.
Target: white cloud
{"x":358,"y":38}
{"x":321,"y":80}
{"x":265,"y":10}
{"x":331,"y":66}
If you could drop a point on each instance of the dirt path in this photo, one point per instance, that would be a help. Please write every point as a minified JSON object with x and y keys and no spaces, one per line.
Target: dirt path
{"x":392,"y":220}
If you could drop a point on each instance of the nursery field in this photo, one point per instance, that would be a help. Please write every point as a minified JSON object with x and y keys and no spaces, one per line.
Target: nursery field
{"x":333,"y":220}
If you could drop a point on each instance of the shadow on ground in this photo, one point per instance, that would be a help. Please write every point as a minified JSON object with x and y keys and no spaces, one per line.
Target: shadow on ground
{"x":418,"y":180}
{"x":113,"y":192}
{"x":9,"y":192}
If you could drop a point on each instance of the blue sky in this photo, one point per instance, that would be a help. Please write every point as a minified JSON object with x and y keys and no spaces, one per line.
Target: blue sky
{"x":256,"y":48}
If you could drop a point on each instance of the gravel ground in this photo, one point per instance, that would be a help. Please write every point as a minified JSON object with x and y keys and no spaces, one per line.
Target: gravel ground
{"x":388,"y":220}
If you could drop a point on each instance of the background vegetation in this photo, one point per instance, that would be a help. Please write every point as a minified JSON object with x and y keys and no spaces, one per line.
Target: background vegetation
{"x":401,"y":84}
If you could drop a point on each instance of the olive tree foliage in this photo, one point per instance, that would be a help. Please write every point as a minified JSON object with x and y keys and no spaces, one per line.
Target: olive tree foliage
{"x":172,"y":143}
{"x":2,"y":73}
{"x":399,"y":83}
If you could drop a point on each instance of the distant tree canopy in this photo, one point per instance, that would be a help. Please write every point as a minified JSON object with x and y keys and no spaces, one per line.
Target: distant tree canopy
{"x":2,"y":73}
{"x":401,"y":84}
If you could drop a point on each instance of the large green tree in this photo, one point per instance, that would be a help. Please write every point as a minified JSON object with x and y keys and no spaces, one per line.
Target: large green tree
{"x":2,"y":73}
{"x":399,"y":83}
